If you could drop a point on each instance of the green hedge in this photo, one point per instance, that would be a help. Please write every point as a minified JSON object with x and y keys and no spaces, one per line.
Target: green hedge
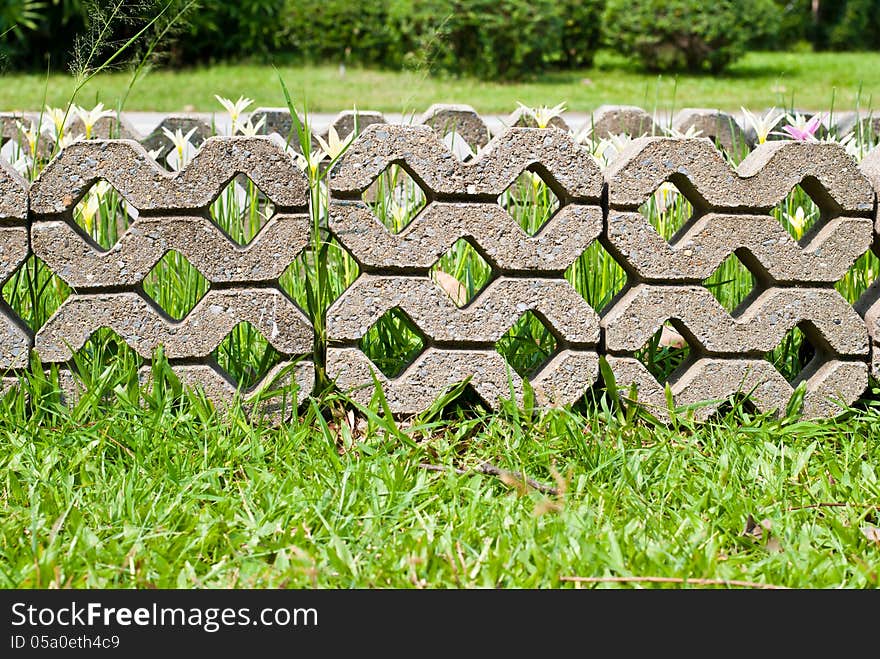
{"x":506,"y":39}
{"x":691,"y":35}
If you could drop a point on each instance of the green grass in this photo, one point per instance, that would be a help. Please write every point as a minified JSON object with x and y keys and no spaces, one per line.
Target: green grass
{"x":169,"y":495}
{"x":760,"y":79}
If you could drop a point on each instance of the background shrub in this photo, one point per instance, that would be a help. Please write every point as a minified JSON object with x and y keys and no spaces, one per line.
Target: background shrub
{"x":322,"y":31}
{"x":581,"y":31}
{"x":221,"y":30}
{"x":692,"y":35}
{"x":858,"y":27}
{"x":504,"y":39}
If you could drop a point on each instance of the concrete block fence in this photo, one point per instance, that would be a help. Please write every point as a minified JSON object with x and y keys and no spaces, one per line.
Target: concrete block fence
{"x":732,"y":214}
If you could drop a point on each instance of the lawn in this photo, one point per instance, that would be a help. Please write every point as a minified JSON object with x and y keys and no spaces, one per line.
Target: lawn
{"x":802,"y":80}
{"x":169,"y":495}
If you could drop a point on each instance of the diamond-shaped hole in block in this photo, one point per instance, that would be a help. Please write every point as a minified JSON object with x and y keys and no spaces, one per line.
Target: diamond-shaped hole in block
{"x":461,"y":272}
{"x":798,"y":213}
{"x":530,"y":201}
{"x":793,"y":353}
{"x":731,"y":283}
{"x":34,"y":292}
{"x":245,"y":355}
{"x":527,"y":345}
{"x":103,"y":214}
{"x":667,"y":210}
{"x":332,"y":263}
{"x":105,"y":349}
{"x":665,"y":352}
{"x":395,"y":198}
{"x":393,"y":342}
{"x":596,"y":276}
{"x":864,"y":272}
{"x":241,"y":210}
{"x":175,"y":285}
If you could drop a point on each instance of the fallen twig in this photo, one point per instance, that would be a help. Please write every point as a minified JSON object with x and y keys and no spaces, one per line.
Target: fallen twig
{"x":835,"y":504}
{"x":492,"y":470}
{"x":677,"y":580}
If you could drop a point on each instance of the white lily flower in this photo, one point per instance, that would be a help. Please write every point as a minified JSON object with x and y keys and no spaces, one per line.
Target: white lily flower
{"x":763,"y":125}
{"x":690,"y":132}
{"x":310,"y":163}
{"x":89,"y":210}
{"x":543,"y":115}
{"x":181,"y":146}
{"x":248,"y":129}
{"x":798,"y":221}
{"x":57,"y":117}
{"x":30,"y":134}
{"x":92,"y":117}
{"x":234,"y":109}
{"x":22,"y":165}
{"x":333,"y":147}
{"x":66,"y":140}
{"x":666,"y":196}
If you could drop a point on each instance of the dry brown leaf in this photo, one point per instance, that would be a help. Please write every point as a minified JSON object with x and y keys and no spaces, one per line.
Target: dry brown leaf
{"x":454,"y":288}
{"x":512,"y":481}
{"x":545,"y":506}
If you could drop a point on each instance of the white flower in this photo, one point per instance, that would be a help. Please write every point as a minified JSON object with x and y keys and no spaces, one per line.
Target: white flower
{"x":57,"y":116}
{"x":92,"y":117}
{"x":666,"y":196}
{"x":22,"y":165}
{"x":798,"y":221}
{"x":249,"y":130}
{"x":690,"y":132}
{"x":234,"y":109}
{"x":30,"y":134}
{"x":66,"y":140}
{"x":181,"y":144}
{"x":543,"y":115}
{"x":333,"y":147}
{"x":763,"y":125}
{"x":92,"y":204}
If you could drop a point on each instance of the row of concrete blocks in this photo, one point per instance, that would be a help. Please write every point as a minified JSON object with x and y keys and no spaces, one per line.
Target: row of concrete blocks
{"x":731,"y":215}
{"x":608,"y":120}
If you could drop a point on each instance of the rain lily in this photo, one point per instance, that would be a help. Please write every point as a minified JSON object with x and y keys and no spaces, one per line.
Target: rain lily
{"x":234,"y":108}
{"x":543,"y":115}
{"x":851,"y":146}
{"x":798,"y":221}
{"x":249,"y":130}
{"x":180,"y":142}
{"x":91,"y":117}
{"x":666,"y":196}
{"x":66,"y":140}
{"x":30,"y":134}
{"x":801,"y":129}
{"x":309,"y":163}
{"x":690,"y":132}
{"x":22,"y":165}
{"x":333,"y":147}
{"x":92,"y":204}
{"x":763,"y":125}
{"x":57,"y":117}
{"x":609,"y":147}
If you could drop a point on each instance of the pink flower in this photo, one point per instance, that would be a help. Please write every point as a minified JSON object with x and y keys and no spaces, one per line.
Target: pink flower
{"x":800,"y":129}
